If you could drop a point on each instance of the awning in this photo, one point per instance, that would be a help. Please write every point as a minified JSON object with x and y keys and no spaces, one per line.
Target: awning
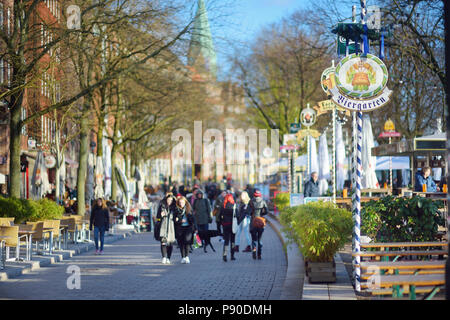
{"x":398,"y":163}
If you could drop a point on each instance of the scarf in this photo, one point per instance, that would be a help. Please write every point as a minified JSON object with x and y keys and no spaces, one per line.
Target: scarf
{"x":167,"y":228}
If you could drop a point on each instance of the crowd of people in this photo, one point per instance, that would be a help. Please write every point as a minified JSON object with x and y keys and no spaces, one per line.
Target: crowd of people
{"x":184,"y":214}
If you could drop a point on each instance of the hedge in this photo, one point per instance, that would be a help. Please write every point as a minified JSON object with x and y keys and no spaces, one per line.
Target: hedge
{"x":30,"y":210}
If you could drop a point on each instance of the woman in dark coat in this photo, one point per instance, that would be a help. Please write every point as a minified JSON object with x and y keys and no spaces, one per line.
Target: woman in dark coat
{"x":165,"y":231}
{"x":185,"y":227}
{"x":226,"y":217}
{"x":100,"y":220}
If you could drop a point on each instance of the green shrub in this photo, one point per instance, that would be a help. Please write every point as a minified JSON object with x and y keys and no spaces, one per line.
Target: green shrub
{"x":401,"y":219}
{"x":30,"y":210}
{"x":282,"y":201}
{"x":320,"y":229}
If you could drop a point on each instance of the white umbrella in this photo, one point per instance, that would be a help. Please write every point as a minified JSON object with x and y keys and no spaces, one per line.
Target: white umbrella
{"x":340,"y":158}
{"x":107,"y":166}
{"x":98,"y":191}
{"x":324,"y":164}
{"x":89,"y":196}
{"x":369,"y":178}
{"x":314,"y":162}
{"x":142,"y":197}
{"x":40,"y":185}
{"x":36,"y":178}
{"x":62,"y":177}
{"x":123,"y":185}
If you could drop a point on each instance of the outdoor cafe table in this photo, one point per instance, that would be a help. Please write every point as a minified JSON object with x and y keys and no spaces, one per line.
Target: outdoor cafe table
{"x":29,"y":236}
{"x":439,"y":195}
{"x":64,"y":228}
{"x":49,"y":230}
{"x":2,"y":243}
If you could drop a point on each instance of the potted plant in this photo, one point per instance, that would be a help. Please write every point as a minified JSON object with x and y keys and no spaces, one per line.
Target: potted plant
{"x":320,"y":229}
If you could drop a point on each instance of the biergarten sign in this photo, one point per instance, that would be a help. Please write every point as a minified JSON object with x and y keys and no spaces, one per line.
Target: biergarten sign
{"x":361,"y":83}
{"x":308,"y":117}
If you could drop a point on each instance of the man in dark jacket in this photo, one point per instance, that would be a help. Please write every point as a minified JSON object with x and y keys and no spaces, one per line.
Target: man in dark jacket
{"x":312,"y":186}
{"x":202,"y":214}
{"x":259,"y":208}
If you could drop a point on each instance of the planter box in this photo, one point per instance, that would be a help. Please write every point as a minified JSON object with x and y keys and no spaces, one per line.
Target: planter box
{"x":320,"y":272}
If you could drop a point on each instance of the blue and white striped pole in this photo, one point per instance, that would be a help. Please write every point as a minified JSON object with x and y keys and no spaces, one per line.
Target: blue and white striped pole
{"x":357,"y":203}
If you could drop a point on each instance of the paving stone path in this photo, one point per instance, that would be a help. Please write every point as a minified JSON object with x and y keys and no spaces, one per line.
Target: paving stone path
{"x":132,"y":269}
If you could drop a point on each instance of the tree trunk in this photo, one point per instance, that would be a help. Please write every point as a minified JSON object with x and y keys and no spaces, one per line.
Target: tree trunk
{"x":14,"y":147}
{"x":101,"y":125}
{"x":82,"y":162}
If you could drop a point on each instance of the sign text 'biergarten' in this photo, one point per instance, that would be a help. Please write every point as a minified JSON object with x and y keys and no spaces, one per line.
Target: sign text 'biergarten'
{"x":361,"y":83}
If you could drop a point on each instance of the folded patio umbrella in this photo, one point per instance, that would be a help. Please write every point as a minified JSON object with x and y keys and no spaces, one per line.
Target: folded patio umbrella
{"x":123,"y":185}
{"x":98,"y":191}
{"x":369,"y":178}
{"x":314,"y":162}
{"x":324,"y":164}
{"x":36,"y":178}
{"x":341,"y":173}
{"x":89,"y":195}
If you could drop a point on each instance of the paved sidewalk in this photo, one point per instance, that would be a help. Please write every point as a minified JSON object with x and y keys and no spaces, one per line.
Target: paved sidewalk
{"x":131,"y":269}
{"x":342,"y":289}
{"x":16,"y":268}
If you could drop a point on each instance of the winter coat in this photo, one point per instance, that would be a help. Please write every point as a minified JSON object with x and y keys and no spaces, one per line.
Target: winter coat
{"x":420,"y":180}
{"x":244,"y":211}
{"x":312,"y":188}
{"x":258,"y":208}
{"x":178,"y":220}
{"x":202,"y":211}
{"x":226,"y":214}
{"x":99,"y":218}
{"x":165,"y":226}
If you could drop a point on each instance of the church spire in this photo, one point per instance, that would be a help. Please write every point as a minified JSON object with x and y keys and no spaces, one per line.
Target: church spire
{"x":201,"y":48}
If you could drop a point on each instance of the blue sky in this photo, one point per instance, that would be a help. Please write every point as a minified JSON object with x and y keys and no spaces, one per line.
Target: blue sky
{"x":243,"y":19}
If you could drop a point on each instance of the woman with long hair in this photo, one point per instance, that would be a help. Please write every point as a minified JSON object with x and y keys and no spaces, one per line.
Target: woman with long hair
{"x":100,"y":220}
{"x":165,"y":230}
{"x":245,"y":212}
{"x":185,"y":227}
{"x":226,"y":217}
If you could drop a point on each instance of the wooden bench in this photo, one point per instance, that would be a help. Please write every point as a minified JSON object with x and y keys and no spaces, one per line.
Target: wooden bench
{"x":402,"y":268}
{"x":385,"y":247}
{"x":401,"y":253}
{"x":408,"y":284}
{"x":403,"y":244}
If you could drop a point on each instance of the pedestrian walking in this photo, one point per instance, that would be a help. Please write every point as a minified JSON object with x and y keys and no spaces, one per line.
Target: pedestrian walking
{"x":202,"y":215}
{"x":227,"y":212}
{"x":217,"y":207}
{"x":165,"y":227}
{"x":259,"y":208}
{"x":184,"y":227}
{"x":100,"y":220}
{"x":243,"y":216}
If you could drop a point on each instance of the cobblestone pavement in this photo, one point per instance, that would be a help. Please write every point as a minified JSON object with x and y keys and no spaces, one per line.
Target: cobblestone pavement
{"x":132,"y":269}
